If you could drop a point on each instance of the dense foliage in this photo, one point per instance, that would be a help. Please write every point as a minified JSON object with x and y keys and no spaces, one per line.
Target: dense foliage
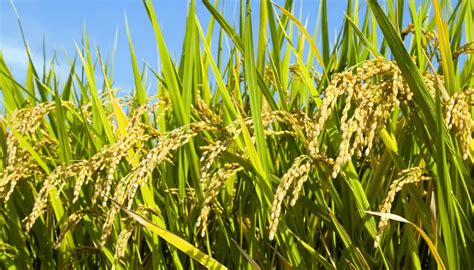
{"x":281,"y":152}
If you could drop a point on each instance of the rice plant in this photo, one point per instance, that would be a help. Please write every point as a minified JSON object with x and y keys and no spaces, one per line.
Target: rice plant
{"x":280,"y":152}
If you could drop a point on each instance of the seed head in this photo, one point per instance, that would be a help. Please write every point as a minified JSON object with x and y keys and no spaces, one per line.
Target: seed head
{"x":405,"y":177}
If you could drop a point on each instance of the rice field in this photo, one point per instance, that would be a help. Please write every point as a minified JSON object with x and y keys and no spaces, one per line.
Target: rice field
{"x":284,"y":151}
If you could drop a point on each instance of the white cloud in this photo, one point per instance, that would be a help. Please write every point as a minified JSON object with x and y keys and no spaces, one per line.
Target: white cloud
{"x":16,"y":59}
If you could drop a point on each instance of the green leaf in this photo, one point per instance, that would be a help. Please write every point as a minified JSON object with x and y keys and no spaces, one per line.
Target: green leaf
{"x":175,"y":240}
{"x":140,"y":90}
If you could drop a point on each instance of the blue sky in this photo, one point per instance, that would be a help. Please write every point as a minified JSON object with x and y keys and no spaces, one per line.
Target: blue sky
{"x":61,"y":22}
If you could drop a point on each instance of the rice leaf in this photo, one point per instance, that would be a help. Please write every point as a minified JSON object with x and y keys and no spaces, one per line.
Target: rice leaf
{"x":175,"y":240}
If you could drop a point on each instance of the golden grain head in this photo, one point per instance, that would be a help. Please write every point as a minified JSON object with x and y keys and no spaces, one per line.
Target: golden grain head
{"x":55,"y":180}
{"x":404,"y":177}
{"x":458,"y":118}
{"x":370,"y":93}
{"x":297,"y":172}
{"x":270,"y":75}
{"x":212,"y":189}
{"x":127,"y":187}
{"x":122,"y":241}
